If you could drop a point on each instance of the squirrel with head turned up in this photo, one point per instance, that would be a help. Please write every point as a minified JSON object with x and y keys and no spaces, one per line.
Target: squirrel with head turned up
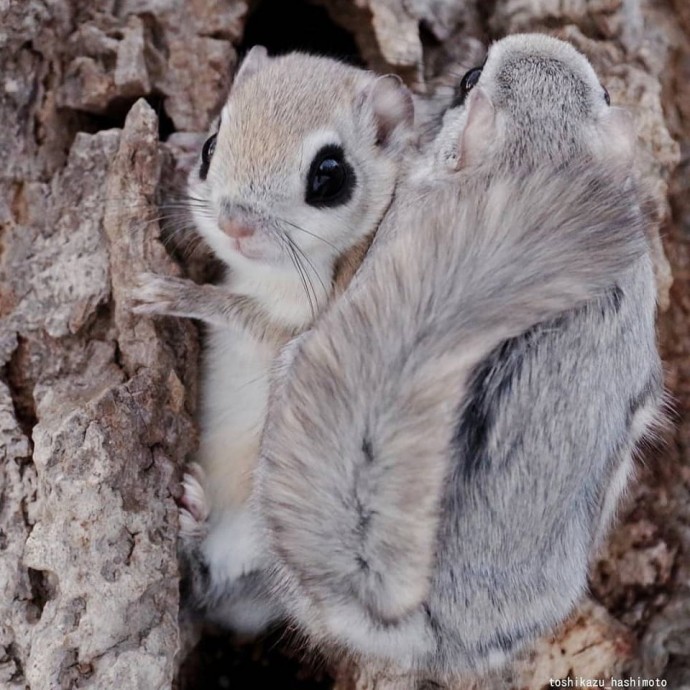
{"x":447,"y":445}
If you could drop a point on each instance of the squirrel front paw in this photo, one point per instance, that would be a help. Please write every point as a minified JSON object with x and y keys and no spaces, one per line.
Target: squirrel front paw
{"x":156,"y":294}
{"x":194,"y":507}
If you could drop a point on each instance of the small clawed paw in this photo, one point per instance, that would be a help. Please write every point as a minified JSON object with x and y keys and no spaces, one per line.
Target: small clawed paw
{"x":152,"y":294}
{"x":194,"y":509}
{"x":155,"y":294}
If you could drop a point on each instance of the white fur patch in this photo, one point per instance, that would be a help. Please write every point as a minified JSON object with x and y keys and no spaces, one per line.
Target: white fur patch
{"x":233,"y":547}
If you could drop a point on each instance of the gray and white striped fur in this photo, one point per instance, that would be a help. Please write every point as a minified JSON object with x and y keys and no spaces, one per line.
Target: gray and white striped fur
{"x":446,"y":446}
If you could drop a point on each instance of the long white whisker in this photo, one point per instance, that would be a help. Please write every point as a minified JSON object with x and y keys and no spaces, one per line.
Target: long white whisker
{"x":300,"y":271}
{"x":311,"y":265}
{"x":297,"y":227}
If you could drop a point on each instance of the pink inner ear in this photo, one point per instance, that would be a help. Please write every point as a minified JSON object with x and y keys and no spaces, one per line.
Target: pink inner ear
{"x":253,"y":61}
{"x":391,"y":104}
{"x":479,"y":130}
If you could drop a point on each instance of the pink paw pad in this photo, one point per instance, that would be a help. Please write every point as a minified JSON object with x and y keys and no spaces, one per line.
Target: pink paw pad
{"x":194,"y":508}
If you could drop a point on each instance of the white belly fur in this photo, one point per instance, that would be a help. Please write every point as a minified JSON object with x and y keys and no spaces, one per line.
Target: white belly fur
{"x":234,"y":390}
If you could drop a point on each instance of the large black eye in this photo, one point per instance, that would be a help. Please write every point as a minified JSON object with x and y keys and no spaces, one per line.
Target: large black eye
{"x":607,"y":98}
{"x":206,"y":155}
{"x":467,"y":83}
{"x":330,"y":180}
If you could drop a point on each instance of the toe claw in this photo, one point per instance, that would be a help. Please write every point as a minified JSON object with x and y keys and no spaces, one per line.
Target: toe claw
{"x":194,"y":509}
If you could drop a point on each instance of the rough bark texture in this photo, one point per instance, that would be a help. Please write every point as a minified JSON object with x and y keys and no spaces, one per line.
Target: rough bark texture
{"x":96,"y":405}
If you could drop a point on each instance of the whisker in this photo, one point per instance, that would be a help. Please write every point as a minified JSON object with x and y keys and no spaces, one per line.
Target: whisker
{"x":300,"y":271}
{"x":296,"y":249}
{"x":306,"y":281}
{"x":318,"y":237}
{"x":311,"y":265}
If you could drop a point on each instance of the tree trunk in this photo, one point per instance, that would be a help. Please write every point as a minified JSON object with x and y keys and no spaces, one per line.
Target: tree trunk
{"x":97,"y":405}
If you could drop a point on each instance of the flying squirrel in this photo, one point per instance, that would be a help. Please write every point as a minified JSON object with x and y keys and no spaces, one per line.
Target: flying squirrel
{"x":289,"y":188}
{"x":447,"y":445}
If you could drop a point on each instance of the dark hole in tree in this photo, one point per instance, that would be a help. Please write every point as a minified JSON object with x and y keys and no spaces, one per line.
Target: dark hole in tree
{"x":219,"y":661}
{"x":286,"y":25}
{"x":427,"y":36}
{"x":114,"y":117}
{"x":41,"y":589}
{"x":165,"y":123}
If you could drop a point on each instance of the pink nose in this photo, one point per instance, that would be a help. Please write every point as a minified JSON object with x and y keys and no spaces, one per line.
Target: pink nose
{"x":234,"y":228}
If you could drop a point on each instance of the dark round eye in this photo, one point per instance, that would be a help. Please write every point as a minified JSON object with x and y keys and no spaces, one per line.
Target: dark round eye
{"x":607,"y":98}
{"x":467,"y":83}
{"x":330,"y":180}
{"x":206,"y":155}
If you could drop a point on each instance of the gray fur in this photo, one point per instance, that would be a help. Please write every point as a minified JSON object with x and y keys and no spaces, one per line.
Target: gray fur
{"x":446,"y":446}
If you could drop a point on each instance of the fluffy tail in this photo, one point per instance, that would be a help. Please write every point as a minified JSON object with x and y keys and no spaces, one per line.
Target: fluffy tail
{"x":356,"y":446}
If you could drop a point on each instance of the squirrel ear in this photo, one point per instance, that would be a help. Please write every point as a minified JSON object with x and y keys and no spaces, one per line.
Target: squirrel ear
{"x":619,"y":136}
{"x":390,"y":104}
{"x":479,"y":128}
{"x":253,"y":61}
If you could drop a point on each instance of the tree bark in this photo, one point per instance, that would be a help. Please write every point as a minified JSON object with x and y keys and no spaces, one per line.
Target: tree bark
{"x":97,"y":405}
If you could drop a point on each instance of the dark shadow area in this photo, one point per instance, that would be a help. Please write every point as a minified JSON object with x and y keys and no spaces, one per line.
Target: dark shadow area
{"x":116,"y":114}
{"x":286,"y":25}
{"x":218,"y":662}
